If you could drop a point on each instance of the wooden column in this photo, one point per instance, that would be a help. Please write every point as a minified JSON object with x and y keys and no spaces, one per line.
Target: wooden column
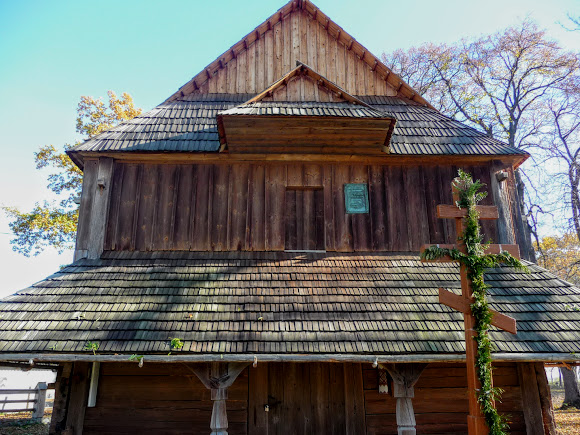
{"x":545,"y":400}
{"x":531,"y":399}
{"x":217,"y":377}
{"x":61,"y":394}
{"x":405,"y":376}
{"x":77,"y":403}
{"x":501,"y":197}
{"x":94,"y":208}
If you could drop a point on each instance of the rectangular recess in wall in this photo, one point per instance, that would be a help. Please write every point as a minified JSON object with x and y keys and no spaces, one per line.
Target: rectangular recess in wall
{"x":304,"y":219}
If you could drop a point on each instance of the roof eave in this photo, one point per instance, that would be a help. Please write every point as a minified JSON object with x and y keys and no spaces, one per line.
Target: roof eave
{"x":175,"y":357}
{"x":77,"y":158}
{"x":513,"y":160}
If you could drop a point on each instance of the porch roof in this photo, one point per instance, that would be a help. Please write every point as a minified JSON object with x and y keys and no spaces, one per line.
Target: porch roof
{"x":277,"y":303}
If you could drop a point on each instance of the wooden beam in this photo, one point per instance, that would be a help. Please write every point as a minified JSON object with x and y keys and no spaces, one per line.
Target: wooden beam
{"x":249,"y":358}
{"x":513,"y":250}
{"x":500,"y":194}
{"x":218,"y":377}
{"x":100,"y":207}
{"x":302,"y":68}
{"x":459,"y":303}
{"x":40,"y":404}
{"x":215,"y":157}
{"x":452,"y":211}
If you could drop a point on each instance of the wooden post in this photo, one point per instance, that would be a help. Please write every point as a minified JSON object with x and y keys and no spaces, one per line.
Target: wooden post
{"x":40,"y":402}
{"x":94,"y":385}
{"x":405,"y":376}
{"x":545,"y":400}
{"x":500,"y":192}
{"x":61,"y":394}
{"x":218,"y":377}
{"x":219,"y":416}
{"x":78,"y":398}
{"x":94,"y":208}
{"x":531,"y":399}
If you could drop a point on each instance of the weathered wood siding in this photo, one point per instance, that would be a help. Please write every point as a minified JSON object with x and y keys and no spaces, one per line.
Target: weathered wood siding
{"x":303,"y":399}
{"x":160,"y":399}
{"x":297,"y":37}
{"x":225,"y":207}
{"x":440,"y":402}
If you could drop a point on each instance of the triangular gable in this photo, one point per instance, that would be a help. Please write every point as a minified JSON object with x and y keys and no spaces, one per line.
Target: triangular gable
{"x":305,"y":84}
{"x":298,"y":31}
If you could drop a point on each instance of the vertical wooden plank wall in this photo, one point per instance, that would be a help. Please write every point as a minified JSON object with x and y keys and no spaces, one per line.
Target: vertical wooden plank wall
{"x":161,"y":399}
{"x":94,"y":208}
{"x":232,"y":207}
{"x":309,"y":398}
{"x":439,"y":402}
{"x":297,"y":37}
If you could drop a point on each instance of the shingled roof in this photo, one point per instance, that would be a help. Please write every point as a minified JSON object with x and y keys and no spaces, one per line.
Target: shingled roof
{"x":279,"y":303}
{"x":189,"y":124}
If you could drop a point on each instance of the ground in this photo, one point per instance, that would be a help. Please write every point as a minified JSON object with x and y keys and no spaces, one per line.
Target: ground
{"x":19,"y":424}
{"x":568,"y":421}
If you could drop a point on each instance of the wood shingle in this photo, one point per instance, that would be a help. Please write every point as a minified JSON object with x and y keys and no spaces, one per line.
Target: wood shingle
{"x":383,"y":305}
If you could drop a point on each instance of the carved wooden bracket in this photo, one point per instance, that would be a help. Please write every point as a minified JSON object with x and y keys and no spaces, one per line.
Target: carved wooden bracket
{"x":218,"y":377}
{"x":405,"y":376}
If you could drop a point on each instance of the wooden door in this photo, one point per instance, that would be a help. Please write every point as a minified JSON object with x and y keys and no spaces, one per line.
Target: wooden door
{"x":306,"y":398}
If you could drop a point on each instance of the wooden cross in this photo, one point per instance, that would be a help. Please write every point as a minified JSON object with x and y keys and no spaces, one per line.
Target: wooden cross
{"x":475,"y":421}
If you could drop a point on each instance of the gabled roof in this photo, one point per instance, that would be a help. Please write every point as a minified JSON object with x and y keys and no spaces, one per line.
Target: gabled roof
{"x":303,"y":112}
{"x":338,"y":103}
{"x":187,"y":122}
{"x":333,"y":30}
{"x":380,"y":304}
{"x":304,"y":71}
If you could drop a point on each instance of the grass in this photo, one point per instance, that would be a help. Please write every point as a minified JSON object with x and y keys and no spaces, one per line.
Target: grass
{"x":20,"y":424}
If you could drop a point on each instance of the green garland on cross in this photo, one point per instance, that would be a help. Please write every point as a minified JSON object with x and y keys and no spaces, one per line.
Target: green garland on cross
{"x":476,"y":261}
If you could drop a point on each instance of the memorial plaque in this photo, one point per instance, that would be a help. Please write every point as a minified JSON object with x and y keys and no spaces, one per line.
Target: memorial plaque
{"x":356,"y":198}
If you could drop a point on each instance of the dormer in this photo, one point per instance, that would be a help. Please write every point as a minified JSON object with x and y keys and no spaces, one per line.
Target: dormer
{"x":303,"y":112}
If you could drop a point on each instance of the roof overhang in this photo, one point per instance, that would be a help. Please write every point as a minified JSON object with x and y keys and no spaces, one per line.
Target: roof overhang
{"x":175,"y":357}
{"x":343,"y":124}
{"x":289,"y":134}
{"x":173,"y":157}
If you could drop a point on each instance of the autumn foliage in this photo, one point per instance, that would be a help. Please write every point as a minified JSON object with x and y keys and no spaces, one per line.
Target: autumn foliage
{"x":54,"y":223}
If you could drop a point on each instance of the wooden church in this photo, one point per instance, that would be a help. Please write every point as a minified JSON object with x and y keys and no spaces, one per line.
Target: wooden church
{"x":247,"y":259}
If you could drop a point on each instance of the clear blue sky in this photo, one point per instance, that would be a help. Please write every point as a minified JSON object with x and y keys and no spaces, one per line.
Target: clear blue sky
{"x":52,"y":52}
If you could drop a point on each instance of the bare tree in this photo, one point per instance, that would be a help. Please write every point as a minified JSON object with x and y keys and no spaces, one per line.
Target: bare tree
{"x":417,"y":67}
{"x":574,"y":23}
{"x":561,"y":144}
{"x":498,"y":84}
